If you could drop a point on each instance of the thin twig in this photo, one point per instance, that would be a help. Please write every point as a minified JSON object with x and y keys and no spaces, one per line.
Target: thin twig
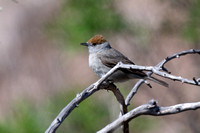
{"x":177,"y":55}
{"x":133,"y":91}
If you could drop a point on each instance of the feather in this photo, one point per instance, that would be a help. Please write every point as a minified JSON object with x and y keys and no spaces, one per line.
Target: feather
{"x":110,"y":60}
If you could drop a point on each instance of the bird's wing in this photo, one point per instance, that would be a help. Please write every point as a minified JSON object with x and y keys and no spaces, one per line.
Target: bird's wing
{"x":113,"y":57}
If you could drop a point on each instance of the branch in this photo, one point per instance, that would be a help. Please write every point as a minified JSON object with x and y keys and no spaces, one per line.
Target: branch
{"x":123,"y":107}
{"x":151,"y":108}
{"x":159,"y":73}
{"x":177,"y":55}
{"x":97,"y":85}
{"x":160,"y":66}
{"x":68,"y":109}
{"x":78,"y":99}
{"x":133,"y":91}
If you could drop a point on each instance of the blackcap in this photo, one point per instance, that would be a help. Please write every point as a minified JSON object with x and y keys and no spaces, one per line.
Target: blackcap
{"x":102,"y":57}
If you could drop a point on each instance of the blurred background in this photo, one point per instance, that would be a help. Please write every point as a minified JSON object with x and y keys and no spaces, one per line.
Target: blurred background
{"x":43,"y":67}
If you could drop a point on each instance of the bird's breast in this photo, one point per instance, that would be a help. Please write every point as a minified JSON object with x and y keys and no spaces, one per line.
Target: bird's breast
{"x":98,"y":67}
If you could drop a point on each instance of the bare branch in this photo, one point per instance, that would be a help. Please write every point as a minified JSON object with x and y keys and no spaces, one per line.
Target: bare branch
{"x":177,"y":55}
{"x":151,"y":108}
{"x":133,"y":91}
{"x":74,"y":103}
{"x":78,"y":99}
{"x":160,"y":66}
{"x":98,"y":85}
{"x":68,"y":109}
{"x":157,"y":72}
{"x":123,"y":107}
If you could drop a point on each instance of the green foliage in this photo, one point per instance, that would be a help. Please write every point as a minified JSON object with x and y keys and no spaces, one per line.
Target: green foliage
{"x":79,"y":20}
{"x":24,"y":119}
{"x":143,"y":124}
{"x":89,"y":117}
{"x":192,"y":28}
{"x":27,"y":118}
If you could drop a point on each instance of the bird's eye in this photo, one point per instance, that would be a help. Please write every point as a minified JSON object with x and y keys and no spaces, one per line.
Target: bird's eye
{"x":94,"y":44}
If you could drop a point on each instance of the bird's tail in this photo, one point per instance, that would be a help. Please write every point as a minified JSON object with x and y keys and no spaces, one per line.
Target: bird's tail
{"x":158,"y":81}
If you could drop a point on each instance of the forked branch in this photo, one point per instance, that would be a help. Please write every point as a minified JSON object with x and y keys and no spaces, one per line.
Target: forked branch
{"x":150,"y":108}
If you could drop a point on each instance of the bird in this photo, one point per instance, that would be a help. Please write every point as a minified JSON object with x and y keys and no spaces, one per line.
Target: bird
{"x":102,"y":58}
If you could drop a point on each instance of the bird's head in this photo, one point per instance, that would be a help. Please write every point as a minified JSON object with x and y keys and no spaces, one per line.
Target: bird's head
{"x":97,"y":44}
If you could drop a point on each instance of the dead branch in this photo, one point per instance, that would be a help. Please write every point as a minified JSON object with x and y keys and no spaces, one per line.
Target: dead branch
{"x":151,"y":108}
{"x":147,"y":109}
{"x":121,"y":101}
{"x":160,"y":66}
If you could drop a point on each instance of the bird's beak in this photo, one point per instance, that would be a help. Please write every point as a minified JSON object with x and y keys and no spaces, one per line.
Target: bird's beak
{"x":84,"y":44}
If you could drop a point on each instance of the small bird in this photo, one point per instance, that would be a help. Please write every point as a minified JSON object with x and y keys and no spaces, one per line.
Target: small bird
{"x":102,"y":58}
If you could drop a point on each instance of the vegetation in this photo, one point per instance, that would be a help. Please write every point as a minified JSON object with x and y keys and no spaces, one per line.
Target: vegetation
{"x":76,"y":21}
{"x":79,"y":20}
{"x":192,"y":27}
